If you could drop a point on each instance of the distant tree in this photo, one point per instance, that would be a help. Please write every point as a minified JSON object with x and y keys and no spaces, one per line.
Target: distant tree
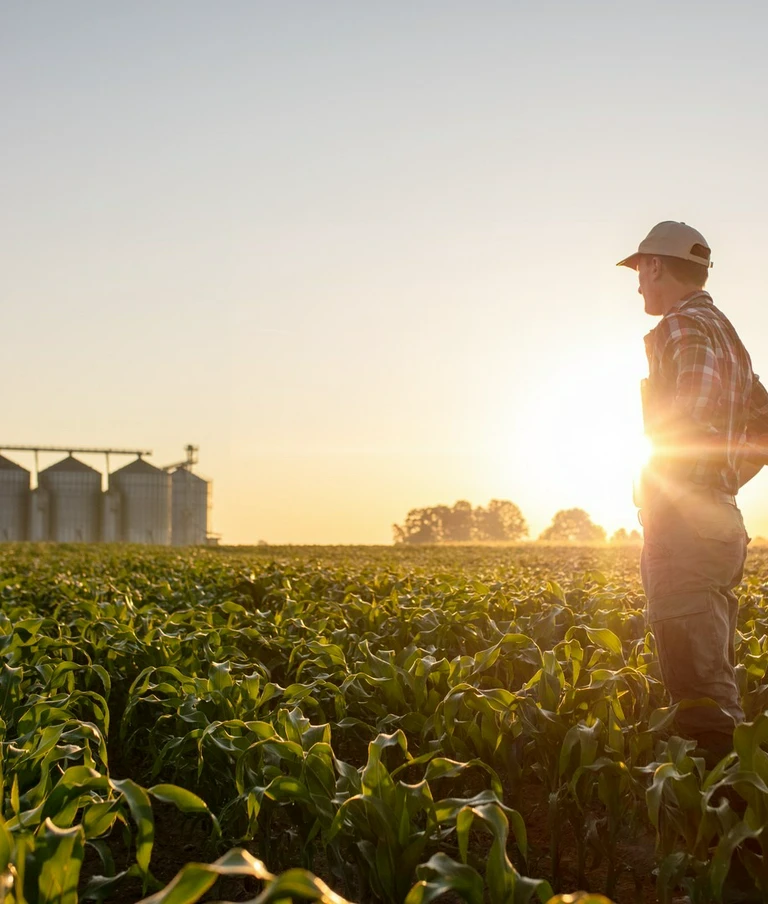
{"x":502,"y":520}
{"x":458,"y":522}
{"x":422,"y":526}
{"x":573,"y":526}
{"x":487,"y":526}
{"x":622,"y":538}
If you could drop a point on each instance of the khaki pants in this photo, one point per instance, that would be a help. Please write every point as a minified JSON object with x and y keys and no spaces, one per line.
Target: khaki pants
{"x":693,"y":558}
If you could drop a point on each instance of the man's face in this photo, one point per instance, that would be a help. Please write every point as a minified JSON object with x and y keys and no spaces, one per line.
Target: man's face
{"x":648,"y":273}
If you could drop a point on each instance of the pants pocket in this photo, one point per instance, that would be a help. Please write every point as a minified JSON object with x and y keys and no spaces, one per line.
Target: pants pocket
{"x":716,"y":521}
{"x":681,"y":604}
{"x":690,"y":649}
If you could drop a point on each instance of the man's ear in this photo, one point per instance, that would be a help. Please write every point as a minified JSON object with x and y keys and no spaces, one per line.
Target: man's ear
{"x":657,"y":267}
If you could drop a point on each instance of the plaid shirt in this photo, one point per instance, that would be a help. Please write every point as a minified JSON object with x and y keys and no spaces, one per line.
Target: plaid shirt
{"x":701,"y":401}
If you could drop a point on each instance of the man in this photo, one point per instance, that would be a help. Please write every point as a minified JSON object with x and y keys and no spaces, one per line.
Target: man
{"x":703,"y":410}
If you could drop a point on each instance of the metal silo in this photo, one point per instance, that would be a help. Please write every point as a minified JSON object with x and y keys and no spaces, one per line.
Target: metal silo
{"x":146,"y":502}
{"x":111,"y":528}
{"x":14,"y":500}
{"x":75,"y":493}
{"x":190,"y":508}
{"x":39,"y":515}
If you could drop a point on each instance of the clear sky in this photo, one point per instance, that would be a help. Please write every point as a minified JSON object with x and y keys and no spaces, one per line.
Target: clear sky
{"x":362,"y":253}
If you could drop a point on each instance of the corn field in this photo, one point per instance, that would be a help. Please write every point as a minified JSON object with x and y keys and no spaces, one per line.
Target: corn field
{"x":367,"y":725}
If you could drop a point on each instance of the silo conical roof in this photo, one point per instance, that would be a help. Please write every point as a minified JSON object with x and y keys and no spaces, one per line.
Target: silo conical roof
{"x":7,"y":465}
{"x":138,"y":466}
{"x":70,"y":463}
{"x":186,"y":474}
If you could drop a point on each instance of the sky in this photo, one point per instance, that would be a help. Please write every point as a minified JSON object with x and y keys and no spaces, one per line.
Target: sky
{"x":363,"y":254}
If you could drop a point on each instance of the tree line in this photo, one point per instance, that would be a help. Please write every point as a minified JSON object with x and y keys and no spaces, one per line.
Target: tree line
{"x":501,"y":521}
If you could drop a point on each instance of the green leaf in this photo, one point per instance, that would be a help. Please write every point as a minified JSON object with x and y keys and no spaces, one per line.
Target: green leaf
{"x":219,"y":676}
{"x":440,"y":875}
{"x":287,"y":788}
{"x":15,"y":803}
{"x":6,"y":847}
{"x":605,"y":638}
{"x":556,"y":590}
{"x":185,"y":800}
{"x":298,"y":883}
{"x":75,"y":782}
{"x":442,"y":767}
{"x":584,"y":735}
{"x":98,"y":818}
{"x":721,"y":861}
{"x":141,"y":811}
{"x":192,"y":882}
{"x":61,"y":853}
{"x":188,"y":886}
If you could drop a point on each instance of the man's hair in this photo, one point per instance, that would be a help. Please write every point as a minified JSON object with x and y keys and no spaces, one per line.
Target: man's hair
{"x":688,"y":272}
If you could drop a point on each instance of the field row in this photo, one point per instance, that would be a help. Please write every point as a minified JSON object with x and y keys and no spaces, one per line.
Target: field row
{"x":399,"y":723}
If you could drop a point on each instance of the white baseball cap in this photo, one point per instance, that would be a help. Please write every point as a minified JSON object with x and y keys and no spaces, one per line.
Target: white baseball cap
{"x":672,"y":239}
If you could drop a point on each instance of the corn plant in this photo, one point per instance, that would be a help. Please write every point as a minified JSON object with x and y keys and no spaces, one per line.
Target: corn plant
{"x":385,"y":715}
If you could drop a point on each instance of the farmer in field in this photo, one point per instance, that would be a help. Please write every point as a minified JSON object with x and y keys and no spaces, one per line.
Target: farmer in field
{"x":702,"y":405}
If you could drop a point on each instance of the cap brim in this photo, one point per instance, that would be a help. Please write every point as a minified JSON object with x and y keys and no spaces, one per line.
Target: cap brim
{"x":630,"y":261}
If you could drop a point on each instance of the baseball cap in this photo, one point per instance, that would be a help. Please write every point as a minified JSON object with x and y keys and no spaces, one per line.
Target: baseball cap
{"x":672,"y":239}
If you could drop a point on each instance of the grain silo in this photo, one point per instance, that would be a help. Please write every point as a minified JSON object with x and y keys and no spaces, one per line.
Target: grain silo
{"x":74,"y":489}
{"x":190,"y":508}
{"x":145,"y":503}
{"x":39,"y":515}
{"x":111,"y":509}
{"x":14,"y":500}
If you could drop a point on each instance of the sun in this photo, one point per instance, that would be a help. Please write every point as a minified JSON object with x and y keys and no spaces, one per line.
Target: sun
{"x":589,"y":446}
{"x":642,"y":452}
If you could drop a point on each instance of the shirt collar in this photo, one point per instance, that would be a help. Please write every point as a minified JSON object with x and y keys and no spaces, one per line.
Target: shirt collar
{"x":695,"y":296}
{"x":699,"y":295}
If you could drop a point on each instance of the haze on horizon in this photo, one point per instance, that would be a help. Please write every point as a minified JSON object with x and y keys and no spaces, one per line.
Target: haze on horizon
{"x":363,"y":254}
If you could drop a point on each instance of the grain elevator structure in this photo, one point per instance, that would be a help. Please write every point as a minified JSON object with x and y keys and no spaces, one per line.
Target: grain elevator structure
{"x":14,"y":500}
{"x":190,"y":502}
{"x":72,"y":502}
{"x":73,"y":489}
{"x":145,"y":503}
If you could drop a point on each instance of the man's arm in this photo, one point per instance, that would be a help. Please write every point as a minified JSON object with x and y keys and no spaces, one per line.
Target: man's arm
{"x":748,"y":467}
{"x":757,"y":419}
{"x":687,"y":432}
{"x":755,"y":454}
